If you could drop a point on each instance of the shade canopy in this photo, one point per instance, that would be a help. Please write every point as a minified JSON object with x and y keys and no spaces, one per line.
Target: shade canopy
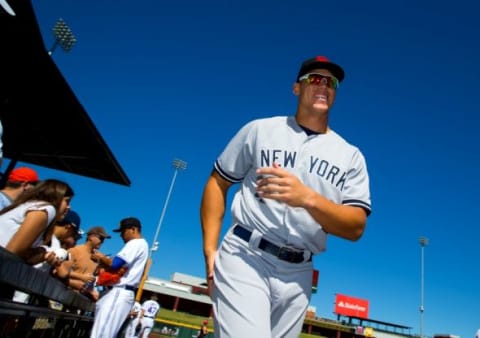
{"x":43,"y":121}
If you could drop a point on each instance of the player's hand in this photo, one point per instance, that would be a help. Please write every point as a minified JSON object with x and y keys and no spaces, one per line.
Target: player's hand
{"x":98,"y":257}
{"x":209,"y":263}
{"x":95,"y":257}
{"x":280,"y":185}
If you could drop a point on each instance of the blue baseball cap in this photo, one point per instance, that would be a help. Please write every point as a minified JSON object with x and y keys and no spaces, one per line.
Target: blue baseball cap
{"x":73,"y":219}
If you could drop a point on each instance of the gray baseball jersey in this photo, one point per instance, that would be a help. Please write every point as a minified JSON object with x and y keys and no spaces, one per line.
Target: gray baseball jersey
{"x":325,"y":162}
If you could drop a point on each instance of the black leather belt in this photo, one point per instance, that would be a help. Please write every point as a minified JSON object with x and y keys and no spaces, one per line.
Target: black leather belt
{"x":126,"y":287}
{"x":283,"y":253}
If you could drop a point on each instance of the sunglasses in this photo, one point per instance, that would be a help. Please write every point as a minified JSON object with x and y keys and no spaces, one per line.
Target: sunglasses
{"x":100,"y":237}
{"x":320,"y":79}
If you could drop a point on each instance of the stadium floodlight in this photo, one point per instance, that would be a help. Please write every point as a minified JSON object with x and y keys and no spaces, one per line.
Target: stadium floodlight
{"x":423,"y":243}
{"x":177,"y":165}
{"x":63,"y":37}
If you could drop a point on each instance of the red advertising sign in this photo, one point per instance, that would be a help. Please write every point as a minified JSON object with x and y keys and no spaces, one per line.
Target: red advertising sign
{"x":350,"y":306}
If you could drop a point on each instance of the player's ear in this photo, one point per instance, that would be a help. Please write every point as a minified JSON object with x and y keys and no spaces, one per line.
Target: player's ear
{"x":296,"y":88}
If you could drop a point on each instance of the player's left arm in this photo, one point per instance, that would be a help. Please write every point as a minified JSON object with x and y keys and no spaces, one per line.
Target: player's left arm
{"x":344,"y":221}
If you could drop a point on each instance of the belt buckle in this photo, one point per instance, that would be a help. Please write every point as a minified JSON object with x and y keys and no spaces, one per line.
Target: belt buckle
{"x":285,"y":254}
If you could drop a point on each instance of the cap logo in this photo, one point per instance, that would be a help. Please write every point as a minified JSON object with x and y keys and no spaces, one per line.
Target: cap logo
{"x":322,"y":59}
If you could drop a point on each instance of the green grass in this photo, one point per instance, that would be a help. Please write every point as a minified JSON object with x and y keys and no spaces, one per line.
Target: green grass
{"x":192,"y":321}
{"x":182,"y":318}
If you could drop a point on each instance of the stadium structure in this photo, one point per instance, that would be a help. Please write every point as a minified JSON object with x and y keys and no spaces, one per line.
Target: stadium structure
{"x":188,"y":294}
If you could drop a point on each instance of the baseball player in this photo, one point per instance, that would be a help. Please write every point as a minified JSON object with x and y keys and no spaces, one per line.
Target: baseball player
{"x":112,"y":309}
{"x":147,"y":316}
{"x":299,"y":181}
{"x":133,"y":320}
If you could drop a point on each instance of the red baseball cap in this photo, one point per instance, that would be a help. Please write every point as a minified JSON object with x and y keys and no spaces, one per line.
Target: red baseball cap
{"x":23,"y":174}
{"x":321,"y":62}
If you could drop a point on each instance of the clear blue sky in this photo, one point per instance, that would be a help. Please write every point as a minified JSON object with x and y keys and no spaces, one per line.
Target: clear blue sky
{"x":176,"y":79}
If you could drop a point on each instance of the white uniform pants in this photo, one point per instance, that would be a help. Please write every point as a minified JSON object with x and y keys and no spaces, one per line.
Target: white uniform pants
{"x":130,"y":330}
{"x":111,"y":311}
{"x":255,"y":294}
{"x":147,"y":326}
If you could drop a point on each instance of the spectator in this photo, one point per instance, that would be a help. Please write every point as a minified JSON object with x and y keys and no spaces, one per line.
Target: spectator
{"x":203,"y":330}
{"x":68,"y":227}
{"x":81,"y":268}
{"x":52,"y":242}
{"x":112,"y":308}
{"x":25,"y":221}
{"x":70,"y":241}
{"x":19,"y":180}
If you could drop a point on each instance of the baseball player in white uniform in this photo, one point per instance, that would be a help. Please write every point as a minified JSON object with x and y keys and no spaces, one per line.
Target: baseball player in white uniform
{"x":112,"y":309}
{"x":133,"y":320}
{"x":299,"y":181}
{"x":148,"y":313}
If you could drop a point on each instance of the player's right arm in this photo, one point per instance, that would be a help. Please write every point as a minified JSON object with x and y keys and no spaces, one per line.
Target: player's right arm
{"x":212,"y":211}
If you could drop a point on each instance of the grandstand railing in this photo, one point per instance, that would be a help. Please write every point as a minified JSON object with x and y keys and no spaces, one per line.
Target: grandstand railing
{"x":53,"y":310}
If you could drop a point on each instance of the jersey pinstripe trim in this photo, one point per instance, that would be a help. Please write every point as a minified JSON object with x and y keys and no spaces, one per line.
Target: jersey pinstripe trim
{"x":225,"y":175}
{"x":358,"y":203}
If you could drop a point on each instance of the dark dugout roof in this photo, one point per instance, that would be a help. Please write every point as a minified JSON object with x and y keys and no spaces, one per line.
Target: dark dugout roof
{"x":43,"y":121}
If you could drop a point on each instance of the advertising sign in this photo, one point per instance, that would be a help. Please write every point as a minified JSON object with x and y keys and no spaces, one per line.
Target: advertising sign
{"x":350,"y":306}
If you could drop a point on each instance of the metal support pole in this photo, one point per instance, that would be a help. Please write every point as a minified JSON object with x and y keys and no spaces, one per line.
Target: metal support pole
{"x":423,"y":242}
{"x":178,"y":165}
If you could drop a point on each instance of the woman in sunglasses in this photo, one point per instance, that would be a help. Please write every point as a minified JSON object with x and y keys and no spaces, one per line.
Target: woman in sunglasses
{"x":300,"y":181}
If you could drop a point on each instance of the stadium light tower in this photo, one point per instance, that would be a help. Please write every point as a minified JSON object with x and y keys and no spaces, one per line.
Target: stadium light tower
{"x":178,"y":165}
{"x":423,"y":243}
{"x":63,"y":37}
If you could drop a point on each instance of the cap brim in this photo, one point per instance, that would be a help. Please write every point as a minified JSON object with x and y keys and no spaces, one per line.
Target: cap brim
{"x":335,"y":69}
{"x":117,"y":230}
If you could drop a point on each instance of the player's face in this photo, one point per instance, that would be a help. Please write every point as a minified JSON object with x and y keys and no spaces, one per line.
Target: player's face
{"x":127,"y":234}
{"x":316,"y":92}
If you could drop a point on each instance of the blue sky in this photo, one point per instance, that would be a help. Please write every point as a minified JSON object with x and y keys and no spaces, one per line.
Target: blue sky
{"x":164,"y":80}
